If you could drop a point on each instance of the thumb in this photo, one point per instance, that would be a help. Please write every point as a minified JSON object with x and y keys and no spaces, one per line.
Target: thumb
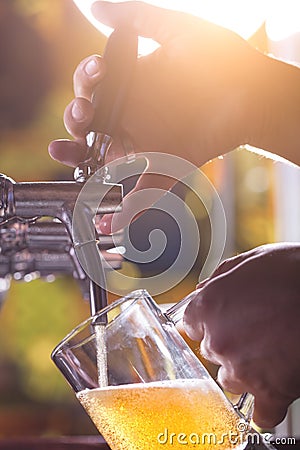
{"x":147,"y":20}
{"x":192,"y":319}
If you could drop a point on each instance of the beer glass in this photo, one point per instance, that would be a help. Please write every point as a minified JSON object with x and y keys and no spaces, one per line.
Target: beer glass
{"x":142,"y":385}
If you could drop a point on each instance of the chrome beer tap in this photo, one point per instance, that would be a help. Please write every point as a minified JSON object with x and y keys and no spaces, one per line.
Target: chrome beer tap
{"x":108,"y":100}
{"x":29,"y":265}
{"x":26,"y":202}
{"x":43,"y":249}
{"x":22,"y":204}
{"x":46,"y":235}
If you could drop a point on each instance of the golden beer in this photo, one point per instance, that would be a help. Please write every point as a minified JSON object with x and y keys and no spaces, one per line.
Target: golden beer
{"x":177,"y":414}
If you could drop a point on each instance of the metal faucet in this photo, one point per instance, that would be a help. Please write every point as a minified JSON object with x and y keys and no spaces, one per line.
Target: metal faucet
{"x":47,"y":235}
{"x":31,"y":248}
{"x":109,"y":100}
{"x":28,"y":201}
{"x":43,"y":249}
{"x":46,"y":246}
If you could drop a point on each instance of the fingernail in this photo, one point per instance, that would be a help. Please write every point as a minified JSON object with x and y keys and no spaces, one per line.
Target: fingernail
{"x":92,"y":67}
{"x":77,"y":113}
{"x":104,"y":227}
{"x":99,"y":8}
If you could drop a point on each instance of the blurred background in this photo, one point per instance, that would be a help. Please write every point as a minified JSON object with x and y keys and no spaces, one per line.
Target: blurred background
{"x":41,"y":42}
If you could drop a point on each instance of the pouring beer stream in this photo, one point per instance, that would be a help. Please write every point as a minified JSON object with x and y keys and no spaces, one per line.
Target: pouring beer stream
{"x":108,"y":100}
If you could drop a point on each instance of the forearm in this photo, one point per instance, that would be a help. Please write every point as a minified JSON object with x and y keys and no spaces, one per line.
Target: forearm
{"x":274,"y":111}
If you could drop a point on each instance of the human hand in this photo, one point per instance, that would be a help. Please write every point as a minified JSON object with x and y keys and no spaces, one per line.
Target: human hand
{"x":247,"y":319}
{"x":188,"y":98}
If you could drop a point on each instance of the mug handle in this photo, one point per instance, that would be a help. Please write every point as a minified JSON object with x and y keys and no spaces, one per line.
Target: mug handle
{"x":245,"y":404}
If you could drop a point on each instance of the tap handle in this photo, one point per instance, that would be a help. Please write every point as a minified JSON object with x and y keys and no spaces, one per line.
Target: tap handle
{"x":110,"y":95}
{"x":109,"y":99}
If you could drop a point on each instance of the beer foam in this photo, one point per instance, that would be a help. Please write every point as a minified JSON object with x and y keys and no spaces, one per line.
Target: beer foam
{"x":204,"y":384}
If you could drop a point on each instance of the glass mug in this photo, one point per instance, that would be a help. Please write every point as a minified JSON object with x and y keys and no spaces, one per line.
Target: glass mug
{"x":142,"y":385}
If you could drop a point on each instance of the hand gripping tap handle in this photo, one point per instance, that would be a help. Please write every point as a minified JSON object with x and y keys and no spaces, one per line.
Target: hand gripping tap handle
{"x":110,"y":95}
{"x":109,"y":98}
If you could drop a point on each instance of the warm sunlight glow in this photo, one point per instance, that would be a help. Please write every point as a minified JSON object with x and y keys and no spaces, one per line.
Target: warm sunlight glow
{"x":283,"y":20}
{"x":283,"y":30}
{"x":241,"y":16}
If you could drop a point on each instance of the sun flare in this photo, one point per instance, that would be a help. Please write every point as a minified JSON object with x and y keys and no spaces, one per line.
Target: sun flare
{"x":242,"y":16}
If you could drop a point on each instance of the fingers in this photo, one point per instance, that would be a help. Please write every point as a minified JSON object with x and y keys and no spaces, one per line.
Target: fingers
{"x":111,"y":223}
{"x":269,"y":411}
{"x":233,"y":262}
{"x":149,"y":21}
{"x":67,"y":152}
{"x":148,"y":190}
{"x":228,"y":382}
{"x":87,"y":75}
{"x":77,"y":117}
{"x":193,"y":319}
{"x":80,"y":112}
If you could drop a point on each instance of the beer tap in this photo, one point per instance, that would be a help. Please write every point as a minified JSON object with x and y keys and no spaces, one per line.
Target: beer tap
{"x":28,"y":201}
{"x":28,"y":265}
{"x":43,"y":249}
{"x":24,"y":203}
{"x":47,"y":235}
{"x":109,"y":99}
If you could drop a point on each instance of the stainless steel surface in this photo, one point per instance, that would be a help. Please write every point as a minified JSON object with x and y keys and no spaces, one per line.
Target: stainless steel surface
{"x":31,"y":248}
{"x":98,"y":145}
{"x":46,"y":235}
{"x":28,"y":201}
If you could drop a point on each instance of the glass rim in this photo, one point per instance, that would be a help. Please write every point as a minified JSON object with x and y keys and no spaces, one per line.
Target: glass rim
{"x":76,"y":330}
